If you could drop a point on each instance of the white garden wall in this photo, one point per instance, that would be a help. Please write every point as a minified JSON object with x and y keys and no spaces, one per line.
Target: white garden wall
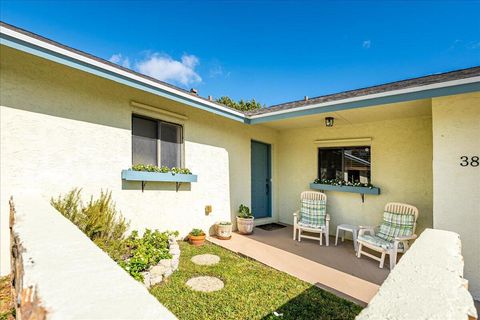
{"x":71,"y":276}
{"x":427,"y":283}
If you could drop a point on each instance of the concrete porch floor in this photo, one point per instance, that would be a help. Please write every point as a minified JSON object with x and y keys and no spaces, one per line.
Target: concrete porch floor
{"x":332,"y":268}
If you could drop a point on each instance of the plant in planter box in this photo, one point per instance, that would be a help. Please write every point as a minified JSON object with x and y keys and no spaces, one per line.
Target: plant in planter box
{"x":223,"y":229}
{"x":196,"y":237}
{"x":244,"y":220}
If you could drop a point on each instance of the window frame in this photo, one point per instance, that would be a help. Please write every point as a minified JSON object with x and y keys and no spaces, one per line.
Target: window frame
{"x":342,"y":148}
{"x":159,"y":147}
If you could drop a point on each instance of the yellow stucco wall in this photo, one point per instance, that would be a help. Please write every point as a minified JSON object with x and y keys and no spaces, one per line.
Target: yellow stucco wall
{"x":401,"y":156}
{"x":456,"y":133}
{"x":62,"y":128}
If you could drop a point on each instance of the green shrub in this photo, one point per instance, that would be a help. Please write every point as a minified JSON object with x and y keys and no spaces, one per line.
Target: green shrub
{"x":98,"y":219}
{"x":244,"y":212}
{"x":162,"y":169}
{"x":145,"y":251}
{"x":197,"y":232}
{"x":106,"y":227}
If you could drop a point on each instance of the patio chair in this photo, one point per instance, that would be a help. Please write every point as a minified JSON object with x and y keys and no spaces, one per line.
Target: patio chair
{"x":312,"y":216}
{"x":397,"y":228}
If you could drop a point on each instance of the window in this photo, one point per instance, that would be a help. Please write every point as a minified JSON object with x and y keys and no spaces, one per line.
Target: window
{"x":350,"y":164}
{"x":156,"y":142}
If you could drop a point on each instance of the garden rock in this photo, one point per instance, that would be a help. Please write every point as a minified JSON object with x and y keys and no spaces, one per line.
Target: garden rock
{"x":165,"y":262}
{"x":146,"y":279}
{"x":164,"y":268}
{"x":158,"y":270}
{"x":205,"y":259}
{"x":155,"y":278}
{"x":205,"y":284}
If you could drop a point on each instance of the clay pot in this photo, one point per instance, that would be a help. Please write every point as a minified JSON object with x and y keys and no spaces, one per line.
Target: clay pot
{"x":196,"y":240}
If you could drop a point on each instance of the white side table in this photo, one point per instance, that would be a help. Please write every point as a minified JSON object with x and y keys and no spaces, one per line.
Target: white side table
{"x":348,"y":228}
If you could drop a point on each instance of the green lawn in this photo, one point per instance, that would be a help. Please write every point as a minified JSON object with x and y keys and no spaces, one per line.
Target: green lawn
{"x":252,"y":291}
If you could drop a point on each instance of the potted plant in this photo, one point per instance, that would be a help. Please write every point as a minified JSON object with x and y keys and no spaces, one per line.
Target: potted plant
{"x":223,"y":229}
{"x":196,"y":237}
{"x":244,"y":220}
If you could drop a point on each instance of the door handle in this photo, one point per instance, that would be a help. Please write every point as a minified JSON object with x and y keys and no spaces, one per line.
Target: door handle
{"x":267,"y":186}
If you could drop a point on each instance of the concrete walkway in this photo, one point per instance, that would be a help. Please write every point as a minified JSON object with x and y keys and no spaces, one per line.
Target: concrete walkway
{"x":337,"y":282}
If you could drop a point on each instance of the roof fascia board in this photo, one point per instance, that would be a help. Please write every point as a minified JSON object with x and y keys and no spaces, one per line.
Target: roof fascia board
{"x":369,"y":101}
{"x":53,"y":53}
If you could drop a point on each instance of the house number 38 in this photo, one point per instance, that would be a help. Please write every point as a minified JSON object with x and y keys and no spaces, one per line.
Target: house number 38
{"x":469,"y":161}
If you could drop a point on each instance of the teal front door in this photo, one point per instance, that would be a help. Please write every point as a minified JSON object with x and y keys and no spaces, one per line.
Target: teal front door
{"x":261,"y":180}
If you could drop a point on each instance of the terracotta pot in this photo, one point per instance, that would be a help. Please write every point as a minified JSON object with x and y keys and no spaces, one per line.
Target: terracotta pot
{"x":196,"y":240}
{"x":223,"y":231}
{"x":245,"y":225}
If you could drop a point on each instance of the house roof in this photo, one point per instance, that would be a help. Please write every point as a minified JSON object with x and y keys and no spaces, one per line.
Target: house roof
{"x":392,"y":86}
{"x":448,"y":83}
{"x":33,"y":43}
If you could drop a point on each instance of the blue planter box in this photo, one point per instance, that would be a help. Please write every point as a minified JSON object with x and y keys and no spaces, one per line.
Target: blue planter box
{"x":362,"y":190}
{"x":131,"y":175}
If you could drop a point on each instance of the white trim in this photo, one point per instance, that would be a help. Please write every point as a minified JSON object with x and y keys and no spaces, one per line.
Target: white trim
{"x":158,"y":110}
{"x":373,"y":96}
{"x":76,"y":56}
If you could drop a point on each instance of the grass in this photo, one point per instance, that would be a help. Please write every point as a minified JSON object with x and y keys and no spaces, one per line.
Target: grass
{"x":252,"y":291}
{"x":7,"y":308}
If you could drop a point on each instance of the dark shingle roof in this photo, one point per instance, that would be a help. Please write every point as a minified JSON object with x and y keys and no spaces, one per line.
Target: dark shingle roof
{"x":398,"y":85}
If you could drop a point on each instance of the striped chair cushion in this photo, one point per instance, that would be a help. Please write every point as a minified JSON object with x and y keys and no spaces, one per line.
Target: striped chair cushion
{"x":376,"y":241}
{"x":313,"y":213}
{"x":396,"y":225}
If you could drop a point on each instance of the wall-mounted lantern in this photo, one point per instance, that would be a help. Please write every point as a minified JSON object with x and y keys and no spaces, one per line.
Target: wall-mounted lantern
{"x":329,"y":121}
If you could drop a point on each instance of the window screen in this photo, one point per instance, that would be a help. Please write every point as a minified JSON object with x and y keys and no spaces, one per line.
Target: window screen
{"x":156,"y":142}
{"x":144,"y":141}
{"x":348,"y":164}
{"x":170,"y":144}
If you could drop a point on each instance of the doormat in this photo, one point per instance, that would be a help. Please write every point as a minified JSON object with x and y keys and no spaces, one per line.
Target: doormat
{"x":271,"y":226}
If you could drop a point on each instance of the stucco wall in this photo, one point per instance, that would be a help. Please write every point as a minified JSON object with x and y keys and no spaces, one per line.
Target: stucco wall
{"x":456,"y":130}
{"x":54,"y":248}
{"x":428,"y":283}
{"x":401,"y":157}
{"x":61,"y":128}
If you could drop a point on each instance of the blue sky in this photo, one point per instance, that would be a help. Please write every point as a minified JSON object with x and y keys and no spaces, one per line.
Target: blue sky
{"x":274,"y":51}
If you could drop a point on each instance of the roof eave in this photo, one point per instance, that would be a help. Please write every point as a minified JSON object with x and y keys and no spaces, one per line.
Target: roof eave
{"x":37,"y":47}
{"x":453,"y":87}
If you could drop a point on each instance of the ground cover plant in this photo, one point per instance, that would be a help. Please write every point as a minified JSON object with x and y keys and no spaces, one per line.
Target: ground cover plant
{"x":106,"y":227}
{"x":252,"y":291}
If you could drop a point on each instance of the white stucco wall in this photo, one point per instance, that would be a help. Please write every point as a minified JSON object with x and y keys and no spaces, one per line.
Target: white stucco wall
{"x":62,"y":128}
{"x":456,"y":207}
{"x":401,"y":166}
{"x":88,"y":284}
{"x":428,"y":283}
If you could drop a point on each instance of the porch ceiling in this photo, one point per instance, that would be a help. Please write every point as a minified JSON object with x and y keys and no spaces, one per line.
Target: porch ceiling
{"x":410,"y":109}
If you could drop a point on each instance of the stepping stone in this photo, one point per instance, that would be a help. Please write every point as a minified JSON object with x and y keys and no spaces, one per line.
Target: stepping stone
{"x":205,"y":284}
{"x":205,"y":259}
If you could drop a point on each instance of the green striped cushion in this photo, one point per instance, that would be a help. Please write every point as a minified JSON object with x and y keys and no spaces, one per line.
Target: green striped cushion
{"x":396,"y":225}
{"x":313,"y":213}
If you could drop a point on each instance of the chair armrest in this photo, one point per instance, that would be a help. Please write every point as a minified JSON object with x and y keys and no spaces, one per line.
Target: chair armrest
{"x":328,"y":217}
{"x":405,"y":238}
{"x":366,"y":229}
{"x":296,"y":213}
